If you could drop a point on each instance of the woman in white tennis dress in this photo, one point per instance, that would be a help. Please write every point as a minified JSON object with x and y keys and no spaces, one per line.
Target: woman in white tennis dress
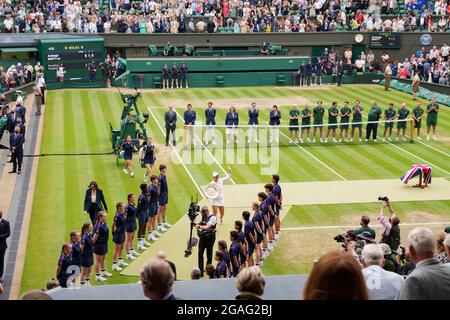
{"x":218,"y":202}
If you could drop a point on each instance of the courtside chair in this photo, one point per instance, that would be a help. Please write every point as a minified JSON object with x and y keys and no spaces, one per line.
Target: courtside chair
{"x":220,"y":81}
{"x":157,"y":82}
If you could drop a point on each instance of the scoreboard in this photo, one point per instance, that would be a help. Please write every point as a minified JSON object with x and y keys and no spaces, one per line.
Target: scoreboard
{"x":75,"y":54}
{"x":385,"y":40}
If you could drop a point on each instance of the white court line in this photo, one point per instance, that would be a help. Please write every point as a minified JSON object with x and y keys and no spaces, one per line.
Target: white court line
{"x":426,"y":145}
{"x":314,"y":157}
{"x":412,"y":154}
{"x":207,"y":150}
{"x":178,"y":156}
{"x":374,"y":226}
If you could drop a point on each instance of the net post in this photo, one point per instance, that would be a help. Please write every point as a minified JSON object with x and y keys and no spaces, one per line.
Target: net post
{"x":411,"y":140}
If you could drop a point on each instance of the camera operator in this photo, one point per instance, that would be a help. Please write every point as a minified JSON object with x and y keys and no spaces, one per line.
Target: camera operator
{"x":351,"y":245}
{"x":391,"y":233}
{"x":206,"y":230}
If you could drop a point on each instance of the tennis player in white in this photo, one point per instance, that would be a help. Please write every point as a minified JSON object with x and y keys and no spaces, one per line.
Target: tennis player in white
{"x":218,"y":203}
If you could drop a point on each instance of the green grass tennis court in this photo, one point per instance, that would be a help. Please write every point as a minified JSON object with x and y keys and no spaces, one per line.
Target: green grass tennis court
{"x":77,"y":121}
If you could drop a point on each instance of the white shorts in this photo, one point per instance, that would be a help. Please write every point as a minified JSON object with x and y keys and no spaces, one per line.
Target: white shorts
{"x":231,"y":131}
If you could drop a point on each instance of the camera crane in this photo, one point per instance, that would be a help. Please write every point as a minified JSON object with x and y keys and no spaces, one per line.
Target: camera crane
{"x":193,"y":212}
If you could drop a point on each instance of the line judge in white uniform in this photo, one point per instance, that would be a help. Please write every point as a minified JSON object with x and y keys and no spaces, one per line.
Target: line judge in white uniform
{"x":218,"y":203}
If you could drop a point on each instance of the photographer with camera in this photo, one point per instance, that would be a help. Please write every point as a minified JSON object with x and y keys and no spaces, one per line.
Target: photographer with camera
{"x":206,"y":231}
{"x":391,"y":233}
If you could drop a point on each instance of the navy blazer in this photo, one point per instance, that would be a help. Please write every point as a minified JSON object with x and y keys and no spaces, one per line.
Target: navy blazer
{"x":16,"y":141}
{"x":210,"y":115}
{"x":170,"y":119}
{"x":5,"y":232}
{"x":100,"y":199}
{"x":21,"y":111}
{"x":275,"y":118}
{"x":232,"y":119}
{"x":190,"y":117}
{"x":253,"y":116}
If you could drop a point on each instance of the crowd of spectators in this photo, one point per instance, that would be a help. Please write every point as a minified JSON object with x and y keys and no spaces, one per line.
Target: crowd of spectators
{"x":432,"y":65}
{"x":17,"y":75}
{"x":174,"y":16}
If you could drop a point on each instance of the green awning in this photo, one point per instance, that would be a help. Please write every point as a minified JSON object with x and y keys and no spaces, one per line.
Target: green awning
{"x":15,"y":50}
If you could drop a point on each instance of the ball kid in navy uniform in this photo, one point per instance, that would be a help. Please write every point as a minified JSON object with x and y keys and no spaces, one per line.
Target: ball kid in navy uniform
{"x":174,"y":73}
{"x":249,"y":232}
{"x":163,"y":199}
{"x":318,"y":69}
{"x":235,"y":253}
{"x":278,"y":204}
{"x":130,"y":226}
{"x":101,"y":236}
{"x":257,"y":220}
{"x":64,"y":262}
{"x":221,"y":268}
{"x":153,"y":193}
{"x":127,"y":148}
{"x":223,"y":247}
{"x":75,"y":241}
{"x":238,"y":226}
{"x":87,"y":253}
{"x":183,"y":75}
{"x":270,"y":200}
{"x":148,"y":157}
{"x":118,"y":231}
{"x":264,"y":208}
{"x":142,"y":214}
{"x":308,"y":72}
{"x":165,"y":76}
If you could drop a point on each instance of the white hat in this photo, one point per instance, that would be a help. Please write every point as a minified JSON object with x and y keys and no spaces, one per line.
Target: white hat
{"x":215,"y":174}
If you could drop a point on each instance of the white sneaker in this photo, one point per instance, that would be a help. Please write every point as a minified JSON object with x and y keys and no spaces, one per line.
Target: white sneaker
{"x":162,"y":229}
{"x":345,"y":140}
{"x":166,"y":225}
{"x":156,"y":234}
{"x":390,"y":139}
{"x":434,"y":137}
{"x":340,"y":140}
{"x":419,"y":138}
{"x":403,"y":138}
{"x":375,"y":140}
{"x":146,"y":244}
{"x":360,"y":140}
{"x":122,"y":263}
{"x":105,"y":274}
{"x":384,"y":139}
{"x":187,"y":87}
{"x":236,"y":141}
{"x":145,"y":177}
{"x":115,"y":267}
{"x":326,"y":140}
{"x":301,"y":140}
{"x":132,"y":174}
{"x":396,"y":139}
{"x":141,"y":246}
{"x":290,"y":141}
{"x":248,"y":141}
{"x":334,"y":140}
{"x":134,"y":253}
{"x":308,"y":140}
{"x":270,"y":141}
{"x":428,"y":137}
{"x":130,"y":257}
{"x":152,"y":238}
{"x":314,"y":140}
{"x":100,"y":279}
{"x":321,"y":140}
{"x":125,"y":171}
{"x":351,"y":139}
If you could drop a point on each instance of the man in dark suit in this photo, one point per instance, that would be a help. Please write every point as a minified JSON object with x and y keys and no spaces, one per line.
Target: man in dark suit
{"x":210,"y":115}
{"x":340,"y":73}
{"x":170,"y":118}
{"x":21,"y":111}
{"x":16,"y":141}
{"x":189,"y":121}
{"x":4,"y":234}
{"x":157,"y":280}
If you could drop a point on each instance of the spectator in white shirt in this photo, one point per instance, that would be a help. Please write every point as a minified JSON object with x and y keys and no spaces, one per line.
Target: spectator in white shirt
{"x":381,"y":284}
